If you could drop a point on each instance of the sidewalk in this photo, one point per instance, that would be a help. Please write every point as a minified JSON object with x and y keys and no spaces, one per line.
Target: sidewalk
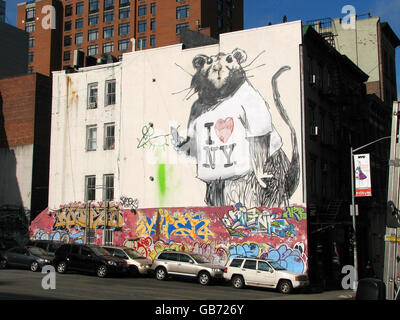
{"x":320,"y":295}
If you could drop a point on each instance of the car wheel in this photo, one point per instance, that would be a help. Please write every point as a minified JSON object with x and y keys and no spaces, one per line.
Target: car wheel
{"x":62,"y":267}
{"x":161,"y":273}
{"x":34,"y":266}
{"x":102,"y":271}
{"x":238,"y":282}
{"x":3,"y":263}
{"x":285,"y":286}
{"x":204,"y":278}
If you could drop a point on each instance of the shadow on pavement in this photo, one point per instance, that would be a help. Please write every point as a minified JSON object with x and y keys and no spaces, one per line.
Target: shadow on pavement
{"x":14,"y":296}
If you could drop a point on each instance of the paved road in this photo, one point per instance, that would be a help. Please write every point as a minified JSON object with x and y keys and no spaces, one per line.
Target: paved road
{"x":24,"y":284}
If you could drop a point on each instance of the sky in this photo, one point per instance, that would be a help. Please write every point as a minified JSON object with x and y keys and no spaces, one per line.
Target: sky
{"x":258,"y":13}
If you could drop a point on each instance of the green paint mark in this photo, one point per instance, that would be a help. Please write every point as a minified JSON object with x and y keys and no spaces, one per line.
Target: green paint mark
{"x":162,"y":184}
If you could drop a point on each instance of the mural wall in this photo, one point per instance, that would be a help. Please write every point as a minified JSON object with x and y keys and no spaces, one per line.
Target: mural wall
{"x":207,"y":155}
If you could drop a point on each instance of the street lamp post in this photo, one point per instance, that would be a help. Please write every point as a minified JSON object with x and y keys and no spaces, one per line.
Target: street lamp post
{"x":352,"y":151}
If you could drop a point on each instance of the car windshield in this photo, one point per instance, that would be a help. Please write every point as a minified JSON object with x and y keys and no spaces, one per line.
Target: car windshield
{"x":37,"y":251}
{"x":100,"y":251}
{"x":133,"y":254}
{"x":199,"y":259}
{"x":276,"y":265}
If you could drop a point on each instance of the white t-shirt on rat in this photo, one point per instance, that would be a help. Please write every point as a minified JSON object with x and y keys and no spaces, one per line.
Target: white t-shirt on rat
{"x":222,"y":149}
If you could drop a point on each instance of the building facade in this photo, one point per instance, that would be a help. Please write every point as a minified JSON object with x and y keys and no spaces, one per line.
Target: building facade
{"x":2,"y":11}
{"x":98,"y":27}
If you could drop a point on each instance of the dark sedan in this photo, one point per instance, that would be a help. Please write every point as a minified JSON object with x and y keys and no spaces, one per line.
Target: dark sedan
{"x":30,"y":257}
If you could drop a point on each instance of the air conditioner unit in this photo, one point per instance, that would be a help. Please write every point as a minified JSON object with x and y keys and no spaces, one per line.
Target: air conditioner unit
{"x":92,"y":105}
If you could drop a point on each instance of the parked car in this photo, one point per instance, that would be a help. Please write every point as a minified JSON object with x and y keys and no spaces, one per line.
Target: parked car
{"x":30,"y":257}
{"x":186,"y":264}
{"x":263,"y":273}
{"x":47,"y":245}
{"x":88,"y":258}
{"x":137,"y":264}
{"x":6,"y":244}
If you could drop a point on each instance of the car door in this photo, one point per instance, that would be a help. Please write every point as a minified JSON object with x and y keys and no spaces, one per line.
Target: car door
{"x":74,"y":260}
{"x":13,"y":256}
{"x":249,"y":271}
{"x":87,"y":259}
{"x":172,"y":262}
{"x":265,"y":274}
{"x":186,"y":265}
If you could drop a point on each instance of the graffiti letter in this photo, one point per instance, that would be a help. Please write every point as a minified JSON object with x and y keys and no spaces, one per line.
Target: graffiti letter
{"x":210,"y":157}
{"x":228,"y":155}
{"x":208,"y":125}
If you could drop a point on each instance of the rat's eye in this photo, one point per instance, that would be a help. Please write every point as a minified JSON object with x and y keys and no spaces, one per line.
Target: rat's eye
{"x":229,"y":59}
{"x":209,"y":61}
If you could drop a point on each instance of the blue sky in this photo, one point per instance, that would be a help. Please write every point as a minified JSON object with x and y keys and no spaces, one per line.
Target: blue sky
{"x":258,"y":13}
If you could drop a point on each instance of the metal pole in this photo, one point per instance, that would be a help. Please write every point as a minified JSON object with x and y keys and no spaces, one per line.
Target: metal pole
{"x":354,"y":221}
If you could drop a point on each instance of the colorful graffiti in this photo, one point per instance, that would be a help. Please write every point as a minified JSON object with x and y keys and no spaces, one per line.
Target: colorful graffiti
{"x":218,"y":233}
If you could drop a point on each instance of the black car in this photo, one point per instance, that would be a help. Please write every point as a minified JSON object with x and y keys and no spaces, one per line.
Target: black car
{"x":88,"y":258}
{"x":47,"y":245}
{"x":30,"y":257}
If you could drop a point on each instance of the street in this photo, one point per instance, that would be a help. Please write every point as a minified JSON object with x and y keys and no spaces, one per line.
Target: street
{"x":26,"y":285}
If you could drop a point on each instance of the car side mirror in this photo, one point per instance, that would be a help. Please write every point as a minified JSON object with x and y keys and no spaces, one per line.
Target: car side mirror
{"x":271,"y":271}
{"x":191,"y":261}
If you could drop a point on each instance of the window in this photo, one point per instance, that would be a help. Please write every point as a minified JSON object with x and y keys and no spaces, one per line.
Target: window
{"x":153,"y":24}
{"x":185,"y":258}
{"x":153,"y":8}
{"x":108,"y":4}
{"x":68,"y":25}
{"x":30,"y":27}
{"x":90,"y":188}
{"x":79,"y":23}
{"x":142,"y":43}
{"x":108,"y":47}
{"x":93,"y":35}
{"x":92,"y":96}
{"x":152,"y":40}
{"x":30,"y":14}
{"x":93,"y":19}
{"x":68,"y":10}
{"x":110,"y":92}
{"x":67,"y":40}
{"x":250,"y":264}
{"x":236,"y":263}
{"x":91,"y":138}
{"x":142,"y":26}
{"x":182,"y":12}
{"x":31,"y":43}
{"x":67,"y":55}
{"x":30,"y":57}
{"x":79,"y":8}
{"x":124,"y":29}
{"x":108,"y":32}
{"x":108,"y":16}
{"x":181,"y":26}
{"x":120,"y":58}
{"x":263,"y":266}
{"x":123,"y":44}
{"x":124,"y":13}
{"x":78,"y":38}
{"x":85,"y":251}
{"x":109,"y":136}
{"x":30,"y":69}
{"x":123,"y":3}
{"x":220,"y":22}
{"x":93,"y":6}
{"x":142,"y":10}
{"x":219,"y":5}
{"x":108,"y":183}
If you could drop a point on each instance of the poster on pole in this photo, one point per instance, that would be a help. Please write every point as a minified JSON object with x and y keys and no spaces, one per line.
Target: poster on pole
{"x":363,"y":175}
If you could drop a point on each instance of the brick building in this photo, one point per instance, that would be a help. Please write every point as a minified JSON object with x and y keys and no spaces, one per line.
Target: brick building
{"x":98,"y":27}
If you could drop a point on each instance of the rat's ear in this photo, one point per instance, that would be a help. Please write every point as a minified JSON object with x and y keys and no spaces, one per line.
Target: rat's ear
{"x":240,"y":55}
{"x":199,"y":61}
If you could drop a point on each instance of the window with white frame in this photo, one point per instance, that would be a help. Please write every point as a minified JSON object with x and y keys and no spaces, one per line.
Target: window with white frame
{"x":108,"y":187}
{"x":108,"y":47}
{"x":110,"y":92}
{"x":93,"y":50}
{"x":90,"y":188}
{"x":92,"y":96}
{"x":91,"y":138}
{"x":109,"y":136}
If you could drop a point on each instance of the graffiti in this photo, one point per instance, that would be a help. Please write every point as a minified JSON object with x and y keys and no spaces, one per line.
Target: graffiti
{"x":256,"y":221}
{"x":248,"y":250}
{"x":62,"y":236}
{"x":129,"y":203}
{"x":149,"y":140}
{"x":290,"y":259}
{"x":231,"y":135}
{"x":295,"y":212}
{"x":178,"y":224}
{"x":80,"y":216}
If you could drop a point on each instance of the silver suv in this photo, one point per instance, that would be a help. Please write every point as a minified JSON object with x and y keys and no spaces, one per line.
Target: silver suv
{"x":186,"y":264}
{"x":263,"y":273}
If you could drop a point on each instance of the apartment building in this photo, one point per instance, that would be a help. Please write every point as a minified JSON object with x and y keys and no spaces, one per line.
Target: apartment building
{"x":97,"y":27}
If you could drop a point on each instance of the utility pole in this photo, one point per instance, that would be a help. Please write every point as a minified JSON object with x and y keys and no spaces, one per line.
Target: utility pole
{"x":391,"y":274}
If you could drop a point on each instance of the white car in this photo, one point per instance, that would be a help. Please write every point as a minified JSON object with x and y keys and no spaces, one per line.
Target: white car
{"x":136,"y":262}
{"x":263,"y":273}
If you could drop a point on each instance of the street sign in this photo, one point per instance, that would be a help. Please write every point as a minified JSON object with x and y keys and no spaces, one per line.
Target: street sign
{"x":362,"y":173}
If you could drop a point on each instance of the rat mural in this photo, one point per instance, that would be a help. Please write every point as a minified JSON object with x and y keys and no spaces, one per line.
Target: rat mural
{"x":231,"y":135}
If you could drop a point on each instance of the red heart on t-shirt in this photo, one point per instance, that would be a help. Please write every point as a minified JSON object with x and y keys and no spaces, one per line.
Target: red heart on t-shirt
{"x":224,"y":129}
